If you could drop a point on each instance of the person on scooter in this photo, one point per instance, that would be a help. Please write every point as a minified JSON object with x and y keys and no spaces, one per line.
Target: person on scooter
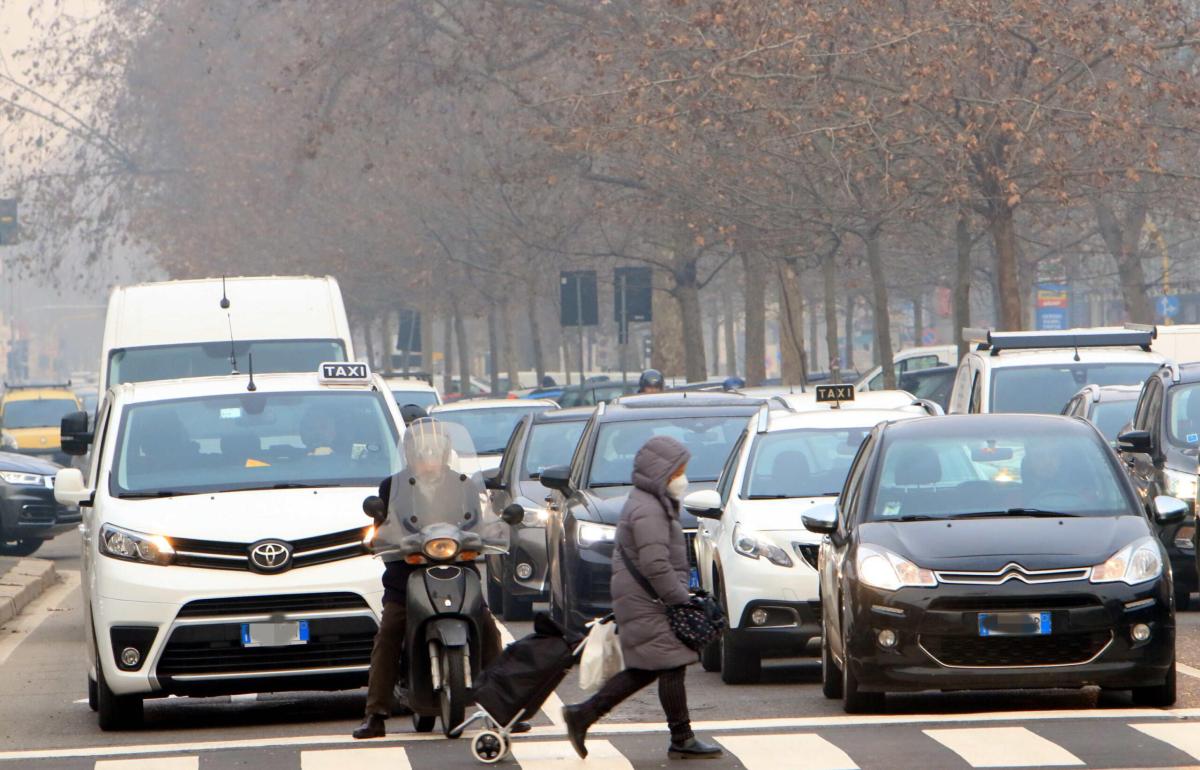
{"x":428,"y":483}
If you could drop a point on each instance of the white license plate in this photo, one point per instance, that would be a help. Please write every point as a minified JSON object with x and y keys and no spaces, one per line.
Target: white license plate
{"x":274,"y":634}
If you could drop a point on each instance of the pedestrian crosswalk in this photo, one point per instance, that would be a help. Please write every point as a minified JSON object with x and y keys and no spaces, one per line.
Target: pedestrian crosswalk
{"x":1093,"y":743}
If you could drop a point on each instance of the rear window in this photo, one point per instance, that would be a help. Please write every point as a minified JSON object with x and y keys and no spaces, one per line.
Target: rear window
{"x":37,"y":412}
{"x":211,"y":359}
{"x":1110,"y":417}
{"x":421,"y":398}
{"x":1045,"y":389}
{"x":709,"y":439}
{"x":550,"y":444}
{"x":801,"y":463}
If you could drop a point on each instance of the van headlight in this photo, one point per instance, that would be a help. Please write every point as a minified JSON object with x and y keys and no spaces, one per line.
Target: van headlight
{"x":885,"y":570}
{"x":589,"y":534}
{"x":1137,"y":562}
{"x":1181,"y":485}
{"x":23,"y":479}
{"x":135,"y":546}
{"x":750,"y":544}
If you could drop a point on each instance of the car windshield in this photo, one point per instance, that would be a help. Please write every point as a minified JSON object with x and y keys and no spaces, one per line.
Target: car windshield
{"x":491,"y":428}
{"x":1044,"y":389}
{"x":1183,"y":415}
{"x":709,"y":439}
{"x":1110,"y":417}
{"x":550,"y":444}
{"x":253,"y":441}
{"x":37,"y":412}
{"x":801,"y":463}
{"x":422,"y":398}
{"x":997,"y":470}
{"x":208,"y":359}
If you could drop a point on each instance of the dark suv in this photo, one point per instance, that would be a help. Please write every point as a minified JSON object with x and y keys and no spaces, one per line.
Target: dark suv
{"x":1159,"y":448}
{"x":588,"y":494}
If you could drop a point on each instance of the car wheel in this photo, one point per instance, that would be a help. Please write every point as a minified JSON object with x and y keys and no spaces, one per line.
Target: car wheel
{"x":831,"y":675}
{"x":423,"y":724}
{"x":738,"y":665}
{"x":1183,"y":599}
{"x":854,"y":701}
{"x":517,"y":608}
{"x":92,"y":694}
{"x":116,"y":712}
{"x":24,"y":547}
{"x":710,"y":656}
{"x":1157,"y":696}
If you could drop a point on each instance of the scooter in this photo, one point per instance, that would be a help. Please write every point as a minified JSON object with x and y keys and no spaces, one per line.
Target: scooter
{"x":445,"y":609}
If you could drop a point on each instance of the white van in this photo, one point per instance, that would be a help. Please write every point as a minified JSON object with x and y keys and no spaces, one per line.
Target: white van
{"x":207,"y":327}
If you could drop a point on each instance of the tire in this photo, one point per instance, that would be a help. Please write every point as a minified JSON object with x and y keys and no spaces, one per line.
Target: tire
{"x":116,"y":712}
{"x":710,"y":656}
{"x":831,"y":675}
{"x":454,"y":690}
{"x":423,"y":724}
{"x":739,"y":665}
{"x":517,"y":608}
{"x":93,"y":695}
{"x":25,"y":547}
{"x":1157,"y":696}
{"x":1183,"y":599}
{"x":854,"y":701}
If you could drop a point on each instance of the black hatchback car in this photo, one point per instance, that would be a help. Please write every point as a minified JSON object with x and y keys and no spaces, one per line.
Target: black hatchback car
{"x":29,"y":514}
{"x":588,"y":494}
{"x":993,"y":552}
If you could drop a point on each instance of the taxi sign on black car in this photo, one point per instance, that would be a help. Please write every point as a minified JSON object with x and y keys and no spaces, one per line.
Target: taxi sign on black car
{"x":834,"y":394}
{"x":344,"y":371}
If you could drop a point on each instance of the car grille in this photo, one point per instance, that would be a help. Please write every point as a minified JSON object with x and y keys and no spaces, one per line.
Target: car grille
{"x":808,"y":552}
{"x":1016,"y":651}
{"x":38,"y":513}
{"x":1013,"y":572}
{"x":690,"y":536}
{"x":217,"y":554}
{"x":214,"y":650}
{"x":1031,"y":603}
{"x":258,"y":605}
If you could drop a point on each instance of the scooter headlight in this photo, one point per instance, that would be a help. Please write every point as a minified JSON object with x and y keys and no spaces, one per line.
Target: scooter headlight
{"x":441,"y":548}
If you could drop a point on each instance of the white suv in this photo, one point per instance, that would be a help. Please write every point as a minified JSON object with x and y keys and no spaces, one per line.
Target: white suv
{"x":224,"y":545}
{"x":1038,"y":372}
{"x":753,"y":552}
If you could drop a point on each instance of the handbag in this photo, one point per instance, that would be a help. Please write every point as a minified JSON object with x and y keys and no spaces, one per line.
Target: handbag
{"x":696,"y":623}
{"x":602,"y":658}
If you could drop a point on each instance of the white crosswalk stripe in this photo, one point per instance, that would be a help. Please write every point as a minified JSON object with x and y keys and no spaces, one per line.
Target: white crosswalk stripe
{"x":1003,"y":747}
{"x":355,"y":759}
{"x":769,"y":752}
{"x":155,"y":763}
{"x":1185,"y":737}
{"x":558,"y":755}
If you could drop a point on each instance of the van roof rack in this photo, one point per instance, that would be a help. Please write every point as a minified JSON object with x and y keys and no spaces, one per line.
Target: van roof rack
{"x":1069,"y":338}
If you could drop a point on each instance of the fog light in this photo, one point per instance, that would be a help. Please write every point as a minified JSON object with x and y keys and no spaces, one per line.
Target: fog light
{"x":887,"y":638}
{"x":1140,"y":632}
{"x":130,"y":657}
{"x":759,"y":617}
{"x":524,"y":571}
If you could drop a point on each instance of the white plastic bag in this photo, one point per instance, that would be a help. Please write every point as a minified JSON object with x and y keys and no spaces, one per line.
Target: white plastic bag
{"x":602,"y":657}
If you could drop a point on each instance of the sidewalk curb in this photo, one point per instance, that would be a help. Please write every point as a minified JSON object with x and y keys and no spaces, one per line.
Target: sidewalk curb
{"x":23,"y":583}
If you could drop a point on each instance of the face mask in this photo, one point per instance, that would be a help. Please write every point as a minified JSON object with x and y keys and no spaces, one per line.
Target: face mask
{"x":676,"y":487}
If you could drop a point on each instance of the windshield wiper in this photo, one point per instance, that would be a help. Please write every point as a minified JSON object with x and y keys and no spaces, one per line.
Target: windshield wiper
{"x":152,"y":494}
{"x":1036,"y":513}
{"x":603,"y":484}
{"x":771,"y":497}
{"x":915,"y":517}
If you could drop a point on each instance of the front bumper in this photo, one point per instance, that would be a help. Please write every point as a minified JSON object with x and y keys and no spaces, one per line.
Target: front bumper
{"x":939,"y":646}
{"x":1182,"y":553}
{"x":31,"y":512}
{"x":788,"y":629}
{"x":528,"y":547}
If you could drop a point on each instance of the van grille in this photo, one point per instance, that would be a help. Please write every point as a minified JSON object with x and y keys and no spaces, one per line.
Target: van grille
{"x":257,"y":605}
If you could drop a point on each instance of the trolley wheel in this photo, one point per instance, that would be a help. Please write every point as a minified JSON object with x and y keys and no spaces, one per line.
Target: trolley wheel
{"x":489,"y":747}
{"x":423,"y":724}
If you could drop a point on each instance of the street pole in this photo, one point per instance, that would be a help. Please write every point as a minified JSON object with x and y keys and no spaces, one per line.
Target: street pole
{"x":623,"y":332}
{"x":579,"y":323}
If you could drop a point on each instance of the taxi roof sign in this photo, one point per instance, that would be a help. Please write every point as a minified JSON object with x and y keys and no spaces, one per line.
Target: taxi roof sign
{"x":834,"y":394}
{"x":343,"y":372}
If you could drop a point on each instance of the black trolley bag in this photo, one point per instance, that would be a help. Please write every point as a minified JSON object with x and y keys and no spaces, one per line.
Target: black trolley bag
{"x":516,"y":684}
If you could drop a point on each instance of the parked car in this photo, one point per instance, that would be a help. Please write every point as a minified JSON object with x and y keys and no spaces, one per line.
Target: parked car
{"x":587,"y":495}
{"x":910,"y":360}
{"x":29,"y":514}
{"x":592,"y":393}
{"x":933,"y":384}
{"x":517,"y":579}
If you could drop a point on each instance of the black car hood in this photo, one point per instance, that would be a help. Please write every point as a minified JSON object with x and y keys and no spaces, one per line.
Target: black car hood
{"x":605,"y":503}
{"x":989,"y":544}
{"x":11,"y":461}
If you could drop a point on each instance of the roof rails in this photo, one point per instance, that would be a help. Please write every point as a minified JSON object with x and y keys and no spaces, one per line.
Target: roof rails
{"x":1069,"y":338}
{"x":27,"y":385}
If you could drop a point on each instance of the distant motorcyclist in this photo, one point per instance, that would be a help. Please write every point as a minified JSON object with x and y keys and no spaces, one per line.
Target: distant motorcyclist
{"x":410,"y":413}
{"x":651,"y":381}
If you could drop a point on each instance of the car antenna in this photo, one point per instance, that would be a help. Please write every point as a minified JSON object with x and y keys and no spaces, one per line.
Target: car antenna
{"x":1075,"y":340}
{"x":229,"y":319}
{"x":250,"y":366}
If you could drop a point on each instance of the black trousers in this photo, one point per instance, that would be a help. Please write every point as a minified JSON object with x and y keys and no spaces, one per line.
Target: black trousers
{"x":672,"y":693}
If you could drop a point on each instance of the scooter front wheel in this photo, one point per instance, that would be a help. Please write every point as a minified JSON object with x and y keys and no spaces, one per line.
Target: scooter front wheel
{"x":454,"y":690}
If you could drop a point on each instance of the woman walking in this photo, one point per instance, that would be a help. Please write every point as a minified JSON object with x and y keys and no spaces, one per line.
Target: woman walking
{"x":649,"y":535}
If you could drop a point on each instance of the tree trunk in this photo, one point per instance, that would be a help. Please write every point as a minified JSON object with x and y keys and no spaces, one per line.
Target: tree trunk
{"x":464,"y":354}
{"x":756,"y":320}
{"x":962,"y":283}
{"x":494,"y":352}
{"x":1008,"y":284}
{"x":447,"y":353}
{"x":883,"y":321}
{"x":848,"y":332}
{"x":730,"y":327}
{"x":426,"y":360}
{"x":687,"y":293}
{"x":829,"y":281}
{"x":390,"y":322}
{"x":508,"y":341}
{"x":791,"y":326}
{"x":369,"y":338}
{"x":918,"y":321}
{"x":814,"y":339}
{"x":667,"y":353}
{"x":1122,"y":240}
{"x":715,"y":332}
{"x":535,"y":334}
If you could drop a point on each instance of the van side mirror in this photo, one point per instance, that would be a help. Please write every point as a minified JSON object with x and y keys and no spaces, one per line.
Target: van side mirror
{"x":70,"y":489}
{"x":1169,"y":510}
{"x":1135,"y":441}
{"x":557,"y":478}
{"x":74,"y":434}
{"x":704,"y":503}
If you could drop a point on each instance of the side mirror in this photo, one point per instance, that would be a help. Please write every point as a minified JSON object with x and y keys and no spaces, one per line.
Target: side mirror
{"x":374,"y":507}
{"x":1135,"y":441}
{"x":705,"y":503}
{"x":513,"y":514}
{"x":74,"y":435}
{"x":69,"y":488}
{"x":492,"y":480}
{"x":1169,"y":510}
{"x":821,"y":518}
{"x":558,"y":478}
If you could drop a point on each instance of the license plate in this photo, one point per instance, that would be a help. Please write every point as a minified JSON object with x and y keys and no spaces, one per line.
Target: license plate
{"x":274,"y":634}
{"x":694,"y":578}
{"x":1014,"y":623}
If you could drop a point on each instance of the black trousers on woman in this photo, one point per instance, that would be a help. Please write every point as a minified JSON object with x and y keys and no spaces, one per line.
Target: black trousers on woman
{"x":671,"y":693}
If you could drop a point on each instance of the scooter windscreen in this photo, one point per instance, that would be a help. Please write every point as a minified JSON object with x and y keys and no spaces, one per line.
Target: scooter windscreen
{"x":438,"y":506}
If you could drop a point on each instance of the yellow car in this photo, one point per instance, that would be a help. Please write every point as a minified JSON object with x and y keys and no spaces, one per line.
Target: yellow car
{"x":30,"y":416}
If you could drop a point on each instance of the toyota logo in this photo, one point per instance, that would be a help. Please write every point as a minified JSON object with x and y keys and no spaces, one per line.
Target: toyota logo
{"x":270,"y":556}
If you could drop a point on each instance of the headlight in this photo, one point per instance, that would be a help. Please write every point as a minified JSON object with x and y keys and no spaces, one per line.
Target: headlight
{"x":27,"y":479}
{"x":1136,"y":563}
{"x":441,"y":548}
{"x":1181,"y":485}
{"x":885,"y":570}
{"x":588,"y":534}
{"x":749,"y":544}
{"x":535,"y":517}
{"x":135,"y":546}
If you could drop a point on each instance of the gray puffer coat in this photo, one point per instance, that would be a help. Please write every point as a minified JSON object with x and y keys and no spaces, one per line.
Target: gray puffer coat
{"x":651,"y":537}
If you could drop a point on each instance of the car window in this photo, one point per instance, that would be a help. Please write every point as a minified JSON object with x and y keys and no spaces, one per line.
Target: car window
{"x":422,"y":398}
{"x":801,"y":463}
{"x":725,"y":484}
{"x":550,"y":444}
{"x":1141,"y":415}
{"x":508,"y":459}
{"x":1110,"y":417}
{"x":919,"y":362}
{"x":997,"y":469}
{"x":100,"y":431}
{"x":1183,"y":415}
{"x":38,"y":412}
{"x":851,"y":492}
{"x":1043,"y":389}
{"x":976,"y":395}
{"x":876,"y":382}
{"x":708,"y":438}
{"x":489,"y":428}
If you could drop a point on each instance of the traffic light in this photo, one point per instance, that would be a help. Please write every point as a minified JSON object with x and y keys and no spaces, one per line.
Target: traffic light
{"x":577,"y":292}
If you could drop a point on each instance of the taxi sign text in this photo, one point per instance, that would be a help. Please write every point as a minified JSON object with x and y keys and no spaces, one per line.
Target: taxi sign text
{"x":834,"y":393}
{"x":343,"y":371}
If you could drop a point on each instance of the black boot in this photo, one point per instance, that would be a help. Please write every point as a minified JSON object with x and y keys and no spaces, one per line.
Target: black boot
{"x":693,"y":748}
{"x":577,"y":722}
{"x":520,"y":727}
{"x":372,"y":727}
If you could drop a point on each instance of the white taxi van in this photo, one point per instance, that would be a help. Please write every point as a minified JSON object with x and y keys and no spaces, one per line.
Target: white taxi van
{"x":224,"y":545}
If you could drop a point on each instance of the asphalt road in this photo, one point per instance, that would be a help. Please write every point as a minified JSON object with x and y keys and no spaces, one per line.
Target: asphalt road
{"x":783,"y":722}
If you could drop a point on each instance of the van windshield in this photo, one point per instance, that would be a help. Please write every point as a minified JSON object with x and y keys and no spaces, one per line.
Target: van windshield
{"x":253,"y":441}
{"x":209,"y":359}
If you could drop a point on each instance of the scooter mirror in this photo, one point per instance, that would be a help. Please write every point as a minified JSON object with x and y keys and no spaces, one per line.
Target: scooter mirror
{"x":513,"y":515}
{"x":374,"y":507}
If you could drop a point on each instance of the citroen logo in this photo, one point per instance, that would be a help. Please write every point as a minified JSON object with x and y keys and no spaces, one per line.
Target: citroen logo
{"x":270,"y":556}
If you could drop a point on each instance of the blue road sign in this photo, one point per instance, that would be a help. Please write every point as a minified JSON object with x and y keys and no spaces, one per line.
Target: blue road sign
{"x":1167,"y":306}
